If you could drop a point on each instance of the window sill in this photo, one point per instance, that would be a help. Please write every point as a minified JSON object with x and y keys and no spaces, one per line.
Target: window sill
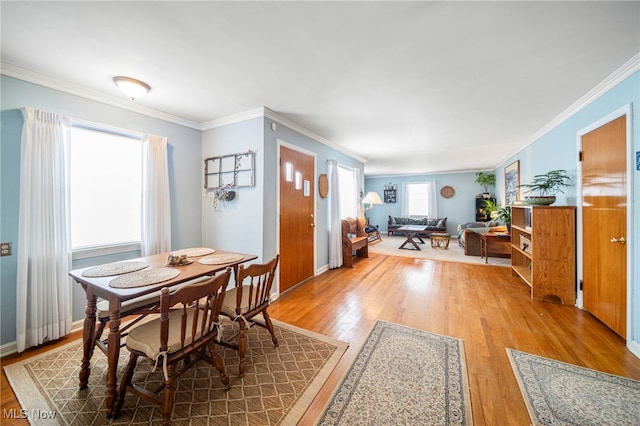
{"x":88,"y":252}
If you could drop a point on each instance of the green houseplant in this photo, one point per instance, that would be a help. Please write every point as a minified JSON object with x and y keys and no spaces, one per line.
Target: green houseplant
{"x":546,"y":186}
{"x":486,"y":180}
{"x":503,"y":214}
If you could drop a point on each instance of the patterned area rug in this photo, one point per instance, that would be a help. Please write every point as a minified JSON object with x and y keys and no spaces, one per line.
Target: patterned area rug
{"x":455,"y":253}
{"x":403,"y":376}
{"x":557,"y":393}
{"x":278,"y":386}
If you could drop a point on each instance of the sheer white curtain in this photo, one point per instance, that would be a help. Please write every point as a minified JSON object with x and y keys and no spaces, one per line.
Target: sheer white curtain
{"x":335,"y":225}
{"x":432,"y":200}
{"x":44,"y":241}
{"x":156,"y":206}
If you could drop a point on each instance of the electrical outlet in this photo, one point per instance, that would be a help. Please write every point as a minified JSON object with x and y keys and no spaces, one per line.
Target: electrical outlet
{"x":5,"y":249}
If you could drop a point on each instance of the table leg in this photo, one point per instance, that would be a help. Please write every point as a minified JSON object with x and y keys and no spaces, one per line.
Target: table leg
{"x":410,"y":236}
{"x":113,"y":353}
{"x":88,"y":337}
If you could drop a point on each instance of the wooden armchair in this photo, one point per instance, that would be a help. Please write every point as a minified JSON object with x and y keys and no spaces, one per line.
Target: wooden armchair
{"x":354,"y":238}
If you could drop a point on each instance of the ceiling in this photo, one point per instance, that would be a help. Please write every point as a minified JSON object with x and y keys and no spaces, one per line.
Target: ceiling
{"x":412,"y":87}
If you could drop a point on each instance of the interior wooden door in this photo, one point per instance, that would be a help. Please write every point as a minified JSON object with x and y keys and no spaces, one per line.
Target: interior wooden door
{"x":297,"y":221}
{"x":604,"y":225}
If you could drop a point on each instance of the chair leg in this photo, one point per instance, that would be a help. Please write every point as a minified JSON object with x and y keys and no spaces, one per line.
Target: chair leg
{"x":169,"y":394}
{"x":126,"y":381}
{"x":219,"y":364}
{"x":242,"y":346}
{"x":269,"y":324}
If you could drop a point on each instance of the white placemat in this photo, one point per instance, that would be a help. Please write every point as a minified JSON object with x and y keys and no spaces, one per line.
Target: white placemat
{"x":144,"y":277}
{"x":194,"y":251}
{"x":220,"y":258}
{"x":116,"y":268}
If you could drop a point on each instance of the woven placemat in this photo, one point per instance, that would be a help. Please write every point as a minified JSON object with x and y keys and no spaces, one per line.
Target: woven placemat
{"x":194,"y":251}
{"x":116,"y":268}
{"x":220,"y":258}
{"x":144,"y":277}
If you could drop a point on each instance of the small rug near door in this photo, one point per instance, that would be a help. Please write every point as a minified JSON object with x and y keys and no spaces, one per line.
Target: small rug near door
{"x":557,"y":393}
{"x":403,"y":376}
{"x":278,"y":386}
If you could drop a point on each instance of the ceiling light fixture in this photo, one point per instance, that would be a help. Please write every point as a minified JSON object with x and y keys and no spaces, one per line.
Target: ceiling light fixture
{"x":131,"y":87}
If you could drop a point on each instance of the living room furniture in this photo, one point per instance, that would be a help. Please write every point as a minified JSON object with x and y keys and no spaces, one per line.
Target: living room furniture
{"x":95,"y":287}
{"x":470,"y":240}
{"x":251,"y":296}
{"x":494,"y":244}
{"x":354,"y":239}
{"x":430,"y":225}
{"x":481,"y":213}
{"x":411,"y":232}
{"x":440,"y":240}
{"x":543,"y":251}
{"x":184,"y":334}
{"x":373,"y":234}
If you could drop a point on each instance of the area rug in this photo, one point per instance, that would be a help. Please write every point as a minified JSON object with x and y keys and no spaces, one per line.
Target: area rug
{"x":557,"y":393}
{"x":403,"y":376}
{"x":390,"y":246}
{"x":278,"y":386}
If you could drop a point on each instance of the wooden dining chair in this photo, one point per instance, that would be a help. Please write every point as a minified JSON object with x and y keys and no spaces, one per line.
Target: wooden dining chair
{"x":185,"y":331}
{"x":250,"y":297}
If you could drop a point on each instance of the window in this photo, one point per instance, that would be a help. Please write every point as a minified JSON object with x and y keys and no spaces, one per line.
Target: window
{"x":419,"y":199}
{"x":106,"y":182}
{"x":348,"y":192}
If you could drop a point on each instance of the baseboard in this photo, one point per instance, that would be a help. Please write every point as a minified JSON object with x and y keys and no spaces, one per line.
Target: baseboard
{"x":12,"y":347}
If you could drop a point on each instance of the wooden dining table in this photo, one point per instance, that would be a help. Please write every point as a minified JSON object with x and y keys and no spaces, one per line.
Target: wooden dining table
{"x":95,"y":287}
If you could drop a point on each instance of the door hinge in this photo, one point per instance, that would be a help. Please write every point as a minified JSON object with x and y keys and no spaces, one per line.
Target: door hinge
{"x":580,"y":285}
{"x":580,"y":156}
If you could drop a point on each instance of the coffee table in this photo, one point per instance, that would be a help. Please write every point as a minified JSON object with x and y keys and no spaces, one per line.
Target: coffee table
{"x":411,"y":232}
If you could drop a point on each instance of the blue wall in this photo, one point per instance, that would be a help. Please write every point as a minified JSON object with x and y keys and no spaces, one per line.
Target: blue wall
{"x":458,"y":209}
{"x":185,"y":180}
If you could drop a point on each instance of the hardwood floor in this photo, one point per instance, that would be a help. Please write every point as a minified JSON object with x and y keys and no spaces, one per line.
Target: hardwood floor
{"x":481,"y":304}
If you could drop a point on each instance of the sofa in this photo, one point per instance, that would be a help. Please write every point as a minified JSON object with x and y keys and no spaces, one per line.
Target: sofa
{"x":438,"y":225}
{"x":469,"y":239}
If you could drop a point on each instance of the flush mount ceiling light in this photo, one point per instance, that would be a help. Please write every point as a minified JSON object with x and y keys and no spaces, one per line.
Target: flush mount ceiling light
{"x":131,"y":87}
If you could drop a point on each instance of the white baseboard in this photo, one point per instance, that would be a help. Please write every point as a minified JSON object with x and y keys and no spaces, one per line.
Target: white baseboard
{"x":12,"y":347}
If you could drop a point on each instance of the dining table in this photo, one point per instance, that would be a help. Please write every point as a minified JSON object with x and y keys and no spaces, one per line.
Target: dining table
{"x":124,"y":286}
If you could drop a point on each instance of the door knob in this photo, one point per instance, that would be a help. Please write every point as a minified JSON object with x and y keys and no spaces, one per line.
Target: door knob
{"x":620,"y":240}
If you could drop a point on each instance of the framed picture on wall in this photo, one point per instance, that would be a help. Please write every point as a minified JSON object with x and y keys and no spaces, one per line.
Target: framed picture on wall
{"x":511,"y":182}
{"x":389,"y":195}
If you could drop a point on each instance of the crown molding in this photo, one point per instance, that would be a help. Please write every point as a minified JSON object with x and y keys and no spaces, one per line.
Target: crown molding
{"x":20,"y":73}
{"x":625,"y":71}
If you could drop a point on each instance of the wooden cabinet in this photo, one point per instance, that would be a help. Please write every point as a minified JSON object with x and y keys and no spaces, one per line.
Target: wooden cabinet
{"x":543,"y":251}
{"x":481,"y":214}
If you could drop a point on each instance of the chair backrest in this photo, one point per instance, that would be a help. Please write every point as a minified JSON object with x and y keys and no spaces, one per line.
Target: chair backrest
{"x":199,"y":306}
{"x":354,"y":227}
{"x":254,"y":284}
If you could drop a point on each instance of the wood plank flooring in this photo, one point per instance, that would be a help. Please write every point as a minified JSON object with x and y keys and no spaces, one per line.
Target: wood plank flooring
{"x":481,"y":304}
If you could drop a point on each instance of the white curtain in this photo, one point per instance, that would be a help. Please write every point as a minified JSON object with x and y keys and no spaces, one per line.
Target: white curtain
{"x":335,"y":225}
{"x":44,"y":239}
{"x":156,"y":206}
{"x":404,"y":200}
{"x":432,"y":200}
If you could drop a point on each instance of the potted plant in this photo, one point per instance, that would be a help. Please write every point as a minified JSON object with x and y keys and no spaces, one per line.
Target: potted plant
{"x":224,"y":193}
{"x":490,"y":207}
{"x":486,"y":180}
{"x":503,"y":213}
{"x":546,"y":186}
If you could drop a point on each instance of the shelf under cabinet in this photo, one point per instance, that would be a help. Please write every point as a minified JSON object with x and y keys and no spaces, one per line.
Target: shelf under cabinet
{"x":523,"y":272}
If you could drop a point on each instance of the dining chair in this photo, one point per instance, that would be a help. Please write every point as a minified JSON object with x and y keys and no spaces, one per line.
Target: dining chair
{"x":185,"y":331}
{"x":242,"y":304}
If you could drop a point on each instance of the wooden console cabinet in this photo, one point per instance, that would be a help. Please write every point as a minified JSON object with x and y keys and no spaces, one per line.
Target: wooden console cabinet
{"x":543,"y":251}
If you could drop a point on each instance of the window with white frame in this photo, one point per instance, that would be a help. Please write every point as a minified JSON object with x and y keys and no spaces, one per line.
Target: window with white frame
{"x":106,"y":185}
{"x":419,"y":199}
{"x":348,"y":192}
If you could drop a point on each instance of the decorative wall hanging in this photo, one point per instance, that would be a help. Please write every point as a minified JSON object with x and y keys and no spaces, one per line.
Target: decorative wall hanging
{"x":512,"y":183}
{"x":323,"y":185}
{"x":447,"y":191}
{"x":389,"y":195}
{"x":231,"y":171}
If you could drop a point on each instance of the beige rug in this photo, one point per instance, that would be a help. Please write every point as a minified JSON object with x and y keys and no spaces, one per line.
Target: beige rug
{"x":278,"y":386}
{"x":389,"y":246}
{"x":403,"y":376}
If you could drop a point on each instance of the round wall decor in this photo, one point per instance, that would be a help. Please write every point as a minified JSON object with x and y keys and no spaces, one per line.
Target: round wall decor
{"x":447,"y":191}
{"x":323,"y":185}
